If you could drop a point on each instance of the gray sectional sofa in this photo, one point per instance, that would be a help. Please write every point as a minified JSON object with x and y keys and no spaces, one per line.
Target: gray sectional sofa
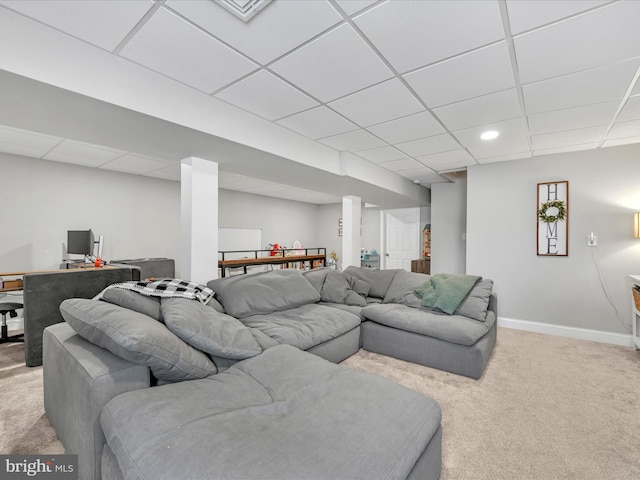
{"x":149,"y":388}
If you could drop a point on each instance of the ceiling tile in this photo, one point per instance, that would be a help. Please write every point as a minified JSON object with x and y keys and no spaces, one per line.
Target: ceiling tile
{"x":449,"y":81}
{"x":491,"y":108}
{"x":505,"y":147}
{"x":278,"y":29}
{"x":424,"y":176}
{"x":382,"y":154}
{"x":22,"y":142}
{"x":565,"y":149}
{"x":79,"y":153}
{"x":573,"y":118}
{"x":630,"y":111}
{"x":427,"y":146}
{"x":353,"y":6}
{"x":504,"y":158}
{"x":170,"y":45}
{"x":447,"y":160}
{"x":579,"y":43}
{"x":578,"y":89}
{"x":402,"y":164}
{"x":508,"y":129}
{"x":571,"y":137}
{"x":267,"y":96}
{"x":624,"y":129}
{"x":317,"y":123}
{"x":383,"y":102}
{"x":412,"y":127}
{"x":431,"y":31}
{"x":528,"y":14}
{"x":335,"y":64}
{"x":136,"y":164}
{"x":104,"y":24}
{"x":353,"y":141}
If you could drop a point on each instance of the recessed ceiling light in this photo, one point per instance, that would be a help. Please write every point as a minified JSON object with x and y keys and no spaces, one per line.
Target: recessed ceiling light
{"x":489,"y":135}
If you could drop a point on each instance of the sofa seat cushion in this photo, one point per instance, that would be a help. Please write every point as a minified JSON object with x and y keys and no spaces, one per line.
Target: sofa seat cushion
{"x":306,"y":326}
{"x":285,"y":414}
{"x":450,"y":328}
{"x":341,"y":306}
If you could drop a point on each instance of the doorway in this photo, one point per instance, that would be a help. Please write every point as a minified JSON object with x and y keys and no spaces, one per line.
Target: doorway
{"x":402,"y":240}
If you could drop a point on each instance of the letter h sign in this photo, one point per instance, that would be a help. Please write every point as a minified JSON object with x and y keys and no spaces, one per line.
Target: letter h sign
{"x":553,"y":219}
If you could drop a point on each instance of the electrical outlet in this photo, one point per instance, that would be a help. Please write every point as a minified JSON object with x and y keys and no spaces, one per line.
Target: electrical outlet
{"x":592,"y":240}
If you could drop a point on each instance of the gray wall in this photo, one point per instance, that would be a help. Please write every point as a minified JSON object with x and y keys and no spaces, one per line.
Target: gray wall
{"x":138,"y":216}
{"x":41,"y":200}
{"x":604,"y":191}
{"x":448,"y":226}
{"x":281,"y":221}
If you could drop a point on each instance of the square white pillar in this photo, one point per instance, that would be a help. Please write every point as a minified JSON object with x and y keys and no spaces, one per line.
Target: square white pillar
{"x":199,"y":220}
{"x":351,"y":223}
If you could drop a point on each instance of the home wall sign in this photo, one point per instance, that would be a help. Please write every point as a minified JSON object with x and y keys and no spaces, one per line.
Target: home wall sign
{"x":553,"y":219}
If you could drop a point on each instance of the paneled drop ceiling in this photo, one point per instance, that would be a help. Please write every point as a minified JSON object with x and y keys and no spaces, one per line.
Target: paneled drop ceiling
{"x":406,"y":85}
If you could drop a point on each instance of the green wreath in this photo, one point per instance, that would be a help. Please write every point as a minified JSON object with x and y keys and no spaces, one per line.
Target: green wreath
{"x":558,"y":217}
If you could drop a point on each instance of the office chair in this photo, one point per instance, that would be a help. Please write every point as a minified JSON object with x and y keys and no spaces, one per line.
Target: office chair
{"x":9,"y":308}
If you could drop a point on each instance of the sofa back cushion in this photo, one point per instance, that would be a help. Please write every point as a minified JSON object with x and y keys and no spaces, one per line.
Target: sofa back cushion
{"x":403,"y":289}
{"x":336,"y":289}
{"x":317,"y":276}
{"x":136,"y":337}
{"x":261,"y":293}
{"x":476,"y":303}
{"x":379,"y":280}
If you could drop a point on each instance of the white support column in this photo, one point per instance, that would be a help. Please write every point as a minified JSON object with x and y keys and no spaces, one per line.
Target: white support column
{"x":351,"y":224}
{"x":199,"y":220}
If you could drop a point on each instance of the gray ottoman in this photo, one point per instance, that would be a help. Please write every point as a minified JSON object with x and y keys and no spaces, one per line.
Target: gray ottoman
{"x":284,"y":414}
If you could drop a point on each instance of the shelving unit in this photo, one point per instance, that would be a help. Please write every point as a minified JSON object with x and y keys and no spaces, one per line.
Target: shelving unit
{"x":285,"y":258}
{"x":635,"y":310}
{"x":370,"y":261}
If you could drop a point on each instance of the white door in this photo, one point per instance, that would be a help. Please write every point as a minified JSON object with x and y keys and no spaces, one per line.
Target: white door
{"x":403,"y":237}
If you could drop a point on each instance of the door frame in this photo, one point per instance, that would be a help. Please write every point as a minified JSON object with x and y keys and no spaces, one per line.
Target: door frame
{"x":384,"y":231}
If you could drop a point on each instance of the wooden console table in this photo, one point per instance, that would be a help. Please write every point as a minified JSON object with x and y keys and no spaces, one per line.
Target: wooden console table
{"x":314,"y":259}
{"x":15,"y":284}
{"x":421,"y":266}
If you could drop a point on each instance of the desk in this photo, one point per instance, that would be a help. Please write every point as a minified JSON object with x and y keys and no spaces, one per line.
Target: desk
{"x":44,"y":290}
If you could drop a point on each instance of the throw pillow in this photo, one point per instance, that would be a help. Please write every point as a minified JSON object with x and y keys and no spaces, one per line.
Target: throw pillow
{"x":207,"y":330}
{"x":137,"y":338}
{"x":149,"y":306}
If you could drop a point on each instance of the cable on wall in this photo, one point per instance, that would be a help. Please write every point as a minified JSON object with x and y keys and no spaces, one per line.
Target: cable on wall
{"x":596,"y":261}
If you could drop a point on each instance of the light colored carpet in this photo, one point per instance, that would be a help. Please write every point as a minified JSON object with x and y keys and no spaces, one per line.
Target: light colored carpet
{"x":546,"y":408}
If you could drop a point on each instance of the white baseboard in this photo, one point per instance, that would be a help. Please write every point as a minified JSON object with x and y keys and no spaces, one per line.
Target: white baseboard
{"x":565,"y":331}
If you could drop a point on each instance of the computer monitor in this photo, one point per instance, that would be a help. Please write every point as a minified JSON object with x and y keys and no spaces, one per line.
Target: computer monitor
{"x":80,"y":242}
